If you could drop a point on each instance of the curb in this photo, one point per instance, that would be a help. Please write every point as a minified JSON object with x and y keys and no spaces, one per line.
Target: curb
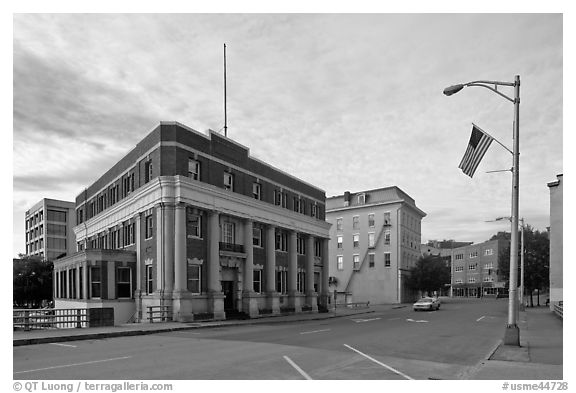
{"x":142,"y":332}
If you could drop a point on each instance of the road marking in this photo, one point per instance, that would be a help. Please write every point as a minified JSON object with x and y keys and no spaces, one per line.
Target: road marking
{"x":64,"y":345}
{"x":302,"y":372}
{"x":378,"y":362}
{"x":481,"y":318}
{"x":315,"y":331}
{"x":365,"y":320}
{"x":393,"y":319}
{"x":71,"y":365}
{"x":419,"y":321}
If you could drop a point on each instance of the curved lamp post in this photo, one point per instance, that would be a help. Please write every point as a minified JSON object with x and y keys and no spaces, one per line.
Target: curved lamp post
{"x":512,"y":333}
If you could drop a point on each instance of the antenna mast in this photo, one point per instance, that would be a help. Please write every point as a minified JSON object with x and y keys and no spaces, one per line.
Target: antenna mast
{"x":225,"y":114}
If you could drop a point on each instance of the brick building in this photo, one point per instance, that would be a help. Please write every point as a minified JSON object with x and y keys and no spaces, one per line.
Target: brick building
{"x":192,"y":225}
{"x":556,"y":240}
{"x":374,"y":241}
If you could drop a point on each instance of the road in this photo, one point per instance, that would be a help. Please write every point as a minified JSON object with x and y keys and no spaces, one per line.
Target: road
{"x":388,"y":344}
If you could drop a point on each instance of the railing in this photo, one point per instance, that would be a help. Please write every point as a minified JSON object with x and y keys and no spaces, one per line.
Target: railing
{"x":559,"y":308}
{"x":231,"y":247}
{"x":354,"y":305}
{"x":159,"y":313}
{"x":51,"y":318}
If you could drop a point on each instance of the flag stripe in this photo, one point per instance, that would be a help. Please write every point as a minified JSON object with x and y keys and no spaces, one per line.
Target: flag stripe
{"x":477,"y":147}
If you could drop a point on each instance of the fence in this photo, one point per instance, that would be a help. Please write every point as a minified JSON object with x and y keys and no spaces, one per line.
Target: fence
{"x":61,"y":318}
{"x":559,"y":308}
{"x":159,"y":313}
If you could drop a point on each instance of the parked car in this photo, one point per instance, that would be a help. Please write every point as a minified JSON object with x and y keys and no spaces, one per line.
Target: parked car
{"x":427,"y":303}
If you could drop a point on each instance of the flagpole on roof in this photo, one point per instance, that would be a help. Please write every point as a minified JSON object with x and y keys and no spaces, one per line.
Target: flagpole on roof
{"x":497,"y":141}
{"x":225,"y":111}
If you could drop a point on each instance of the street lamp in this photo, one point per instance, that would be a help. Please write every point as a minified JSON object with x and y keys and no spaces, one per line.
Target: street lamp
{"x":512,"y":332}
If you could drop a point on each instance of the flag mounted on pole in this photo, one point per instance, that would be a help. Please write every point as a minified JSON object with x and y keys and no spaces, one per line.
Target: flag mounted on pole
{"x":477,"y":147}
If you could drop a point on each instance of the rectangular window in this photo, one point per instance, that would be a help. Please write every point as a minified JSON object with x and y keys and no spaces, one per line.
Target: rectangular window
{"x":387,"y":236}
{"x":472,"y":267}
{"x":371,"y":260}
{"x":488,"y":251}
{"x":338,"y":224}
{"x":473,"y":254}
{"x":356,"y":240}
{"x":228,"y":233}
{"x":371,"y":221}
{"x":149,"y":280}
{"x":314,"y":210}
{"x":340,"y":262}
{"x":195,"y":225}
{"x":459,"y":256}
{"x":301,"y":245}
{"x":281,"y":280}
{"x":194,"y":275}
{"x":149,"y":227}
{"x":277,"y":197}
{"x":281,"y":241}
{"x":123,"y":283}
{"x":301,"y":282}
{"x":362,"y":199}
{"x":257,"y":281}
{"x":356,"y":261}
{"x":228,"y":181}
{"x":339,"y":240}
{"x":56,"y":215}
{"x":471,"y":280}
{"x":387,"y":220}
{"x":371,"y":240}
{"x":193,"y":169}
{"x":95,"y":282}
{"x":387,"y":259}
{"x":147,"y":171}
{"x":257,"y":237}
{"x":296,"y":204}
{"x":355,"y":222}
{"x":317,"y":248}
{"x":257,"y":191}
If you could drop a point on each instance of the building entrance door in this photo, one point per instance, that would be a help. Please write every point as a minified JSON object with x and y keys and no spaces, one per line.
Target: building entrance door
{"x":228,"y":289}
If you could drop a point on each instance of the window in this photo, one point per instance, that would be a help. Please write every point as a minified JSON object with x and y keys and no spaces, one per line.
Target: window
{"x":95,"y":282}
{"x":281,"y":241}
{"x":340,"y":239}
{"x":458,"y":281}
{"x":340,"y":262}
{"x":473,"y":254}
{"x":123,"y":283}
{"x":149,"y":227}
{"x":195,"y":225}
{"x":488,"y":279}
{"x":128,"y":233}
{"x":471,"y":280}
{"x":371,"y":240}
{"x":149,"y":280}
{"x":489,"y":265}
{"x":257,"y":281}
{"x":301,"y":282}
{"x":228,"y":232}
{"x":356,"y":240}
{"x":301,"y":245}
{"x":459,"y":256}
{"x":459,"y":268}
{"x":55,"y":215}
{"x":356,"y":261}
{"x":371,"y":221}
{"x":194,"y":275}
{"x":362,"y":199}
{"x":277,"y":197}
{"x":257,"y":191}
{"x":371,"y":260}
{"x":193,"y":169}
{"x":147,"y":171}
{"x":387,"y":236}
{"x":472,"y":267}
{"x":317,"y":248}
{"x":355,"y":222}
{"x":338,"y":224}
{"x":228,"y":181}
{"x":296,"y":204}
{"x":387,"y":220}
{"x":314,"y":210}
{"x":488,"y":251}
{"x":281,"y":279}
{"x":257,"y":237}
{"x":387,"y":259}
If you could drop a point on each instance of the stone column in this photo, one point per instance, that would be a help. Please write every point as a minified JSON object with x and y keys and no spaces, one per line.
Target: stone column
{"x":311,"y":295}
{"x":293,"y":294}
{"x":167,"y":236}
{"x":249,"y":303}
{"x":216,"y":297}
{"x":326,"y":301}
{"x":139,"y":262}
{"x":77,"y":279}
{"x":85,"y":268}
{"x":180,"y":260}
{"x":272,"y":297}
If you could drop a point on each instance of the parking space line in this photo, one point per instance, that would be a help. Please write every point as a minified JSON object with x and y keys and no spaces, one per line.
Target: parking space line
{"x":380,"y":363}
{"x":315,"y":331}
{"x":71,"y":365}
{"x":482,"y":317}
{"x":365,"y":320}
{"x":302,"y":372}
{"x":64,"y":345}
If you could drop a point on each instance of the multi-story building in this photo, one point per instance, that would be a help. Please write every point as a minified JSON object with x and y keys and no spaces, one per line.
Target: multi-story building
{"x":556,"y":242}
{"x":445,"y":250}
{"x":49,"y":233}
{"x":476,"y":269}
{"x":374,"y":241}
{"x":194,"y":226}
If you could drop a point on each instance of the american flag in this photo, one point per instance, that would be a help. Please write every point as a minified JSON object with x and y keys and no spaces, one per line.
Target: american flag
{"x":477,"y":146}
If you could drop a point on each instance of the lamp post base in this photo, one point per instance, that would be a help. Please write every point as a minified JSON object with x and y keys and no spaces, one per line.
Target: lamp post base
{"x":512,"y":335}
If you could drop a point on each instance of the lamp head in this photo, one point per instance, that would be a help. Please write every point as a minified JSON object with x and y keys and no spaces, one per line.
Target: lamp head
{"x":453,"y":89}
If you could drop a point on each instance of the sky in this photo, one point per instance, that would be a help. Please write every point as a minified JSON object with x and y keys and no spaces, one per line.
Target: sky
{"x":346,"y":102}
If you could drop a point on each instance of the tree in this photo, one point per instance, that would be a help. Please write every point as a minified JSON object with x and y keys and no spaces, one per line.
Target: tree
{"x":536,"y":262}
{"x":31,"y":281}
{"x":431,"y":273}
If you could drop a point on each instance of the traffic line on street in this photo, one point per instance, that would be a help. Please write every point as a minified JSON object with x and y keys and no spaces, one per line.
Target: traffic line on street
{"x":315,"y":331}
{"x":302,"y":372}
{"x":64,"y":345}
{"x":72,"y":365}
{"x":481,"y":318}
{"x":365,"y":320}
{"x":419,"y":321}
{"x":378,"y":362}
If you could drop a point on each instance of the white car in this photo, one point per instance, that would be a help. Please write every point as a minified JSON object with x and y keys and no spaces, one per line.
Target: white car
{"x":427,"y":303}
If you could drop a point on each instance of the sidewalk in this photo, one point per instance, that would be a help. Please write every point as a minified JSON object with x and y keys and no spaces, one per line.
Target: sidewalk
{"x":539,"y":356}
{"x":136,"y":329}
